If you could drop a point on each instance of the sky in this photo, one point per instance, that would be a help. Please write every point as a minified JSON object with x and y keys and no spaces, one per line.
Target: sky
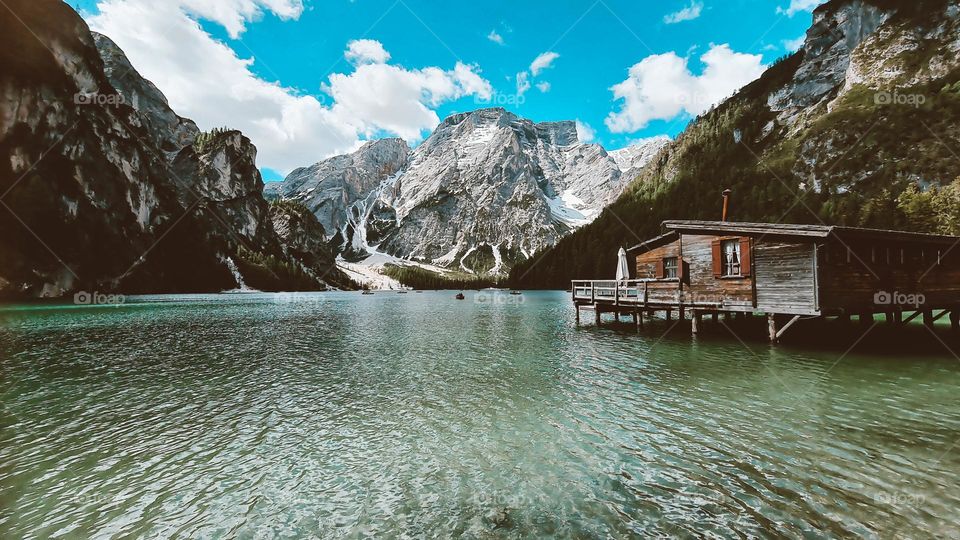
{"x":308,"y":79}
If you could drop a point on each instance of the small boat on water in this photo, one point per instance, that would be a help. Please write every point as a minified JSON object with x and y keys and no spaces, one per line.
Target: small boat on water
{"x":366,"y":291}
{"x":460,"y":296}
{"x":516,"y":293}
{"x":401,"y":292}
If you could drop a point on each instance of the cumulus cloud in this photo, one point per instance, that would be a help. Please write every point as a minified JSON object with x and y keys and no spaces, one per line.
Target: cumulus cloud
{"x":796,"y":6}
{"x":495,"y":37}
{"x":205,"y":80}
{"x":661,"y":86}
{"x":688,"y":13}
{"x":542,"y":62}
{"x":543,"y":87}
{"x":384,"y":97}
{"x":366,"y":51}
{"x":585,"y":133}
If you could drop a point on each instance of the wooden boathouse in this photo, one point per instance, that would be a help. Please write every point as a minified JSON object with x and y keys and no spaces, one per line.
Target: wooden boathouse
{"x":786,"y":272}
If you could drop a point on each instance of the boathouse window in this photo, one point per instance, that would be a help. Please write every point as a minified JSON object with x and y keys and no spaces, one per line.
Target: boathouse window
{"x":670,"y":268}
{"x":731,"y":257}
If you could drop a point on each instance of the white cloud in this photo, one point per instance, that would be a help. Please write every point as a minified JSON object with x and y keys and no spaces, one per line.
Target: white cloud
{"x":366,"y":51}
{"x":523,"y":83}
{"x":234,"y":14}
{"x":797,"y":6}
{"x":205,"y":80}
{"x":794,"y":45}
{"x":688,"y":13}
{"x":542,"y":62}
{"x":585,"y":133}
{"x":495,"y":37}
{"x":661,"y":86}
{"x":543,"y":87}
{"x":385,"y":97}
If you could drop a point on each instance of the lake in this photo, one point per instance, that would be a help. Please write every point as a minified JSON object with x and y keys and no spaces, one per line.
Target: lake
{"x":339,"y":414}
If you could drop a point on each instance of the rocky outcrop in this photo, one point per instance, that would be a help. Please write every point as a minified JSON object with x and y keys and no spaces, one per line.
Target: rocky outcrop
{"x":485,"y":186}
{"x":329,"y":188}
{"x":171,"y":131}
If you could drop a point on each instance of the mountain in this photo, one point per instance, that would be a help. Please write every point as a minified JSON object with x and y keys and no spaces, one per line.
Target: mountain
{"x":333,"y":187}
{"x":857,"y":128}
{"x":104,"y":188}
{"x":484,"y":191}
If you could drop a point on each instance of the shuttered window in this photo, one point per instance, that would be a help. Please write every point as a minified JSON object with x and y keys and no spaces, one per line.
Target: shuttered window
{"x":731,"y":257}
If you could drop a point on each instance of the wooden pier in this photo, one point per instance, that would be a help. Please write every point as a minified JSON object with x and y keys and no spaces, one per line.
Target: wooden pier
{"x":785,"y":273}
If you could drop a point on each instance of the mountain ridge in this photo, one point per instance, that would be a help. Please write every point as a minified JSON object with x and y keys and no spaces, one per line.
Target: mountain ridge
{"x":486,"y":189}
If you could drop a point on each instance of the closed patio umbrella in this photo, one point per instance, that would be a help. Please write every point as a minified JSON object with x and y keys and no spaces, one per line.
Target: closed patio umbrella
{"x":623,"y":267}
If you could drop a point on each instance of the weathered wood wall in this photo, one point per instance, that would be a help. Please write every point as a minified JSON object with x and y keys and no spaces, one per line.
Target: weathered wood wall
{"x":786,"y":277}
{"x":702,"y":286}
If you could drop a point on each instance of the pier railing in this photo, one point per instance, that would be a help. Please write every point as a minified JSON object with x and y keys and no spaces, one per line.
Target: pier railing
{"x":637,"y":292}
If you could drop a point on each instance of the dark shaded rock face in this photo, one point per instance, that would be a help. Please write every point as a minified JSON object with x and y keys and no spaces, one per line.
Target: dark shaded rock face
{"x":102,"y":186}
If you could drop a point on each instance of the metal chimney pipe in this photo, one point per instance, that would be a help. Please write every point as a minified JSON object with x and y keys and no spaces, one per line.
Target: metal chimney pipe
{"x":726,"y":202}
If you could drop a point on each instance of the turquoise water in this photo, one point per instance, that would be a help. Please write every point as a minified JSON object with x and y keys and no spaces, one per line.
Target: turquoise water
{"x":343,"y":415}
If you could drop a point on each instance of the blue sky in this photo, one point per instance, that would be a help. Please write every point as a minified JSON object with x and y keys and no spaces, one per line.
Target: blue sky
{"x":296,"y":47}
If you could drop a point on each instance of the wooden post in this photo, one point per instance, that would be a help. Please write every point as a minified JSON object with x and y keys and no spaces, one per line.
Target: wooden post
{"x":866,"y":319}
{"x":928,"y":318}
{"x":681,"y":313}
{"x":577,"y":307}
{"x":668,"y":314}
{"x":955,"y":319}
{"x":695,"y":323}
{"x":772,"y":327}
{"x":716,"y":316}
{"x":891,"y":319}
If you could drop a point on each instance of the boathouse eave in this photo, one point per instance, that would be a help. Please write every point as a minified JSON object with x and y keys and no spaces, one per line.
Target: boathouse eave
{"x":782,"y":230}
{"x":654,"y":243}
{"x":807,"y":232}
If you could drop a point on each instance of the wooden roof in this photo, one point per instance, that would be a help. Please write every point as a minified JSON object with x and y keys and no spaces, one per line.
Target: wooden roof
{"x":732,"y":227}
{"x":655,"y":242}
{"x":789,"y":230}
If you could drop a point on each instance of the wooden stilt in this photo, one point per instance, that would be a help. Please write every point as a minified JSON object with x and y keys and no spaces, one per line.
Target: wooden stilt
{"x":955,"y":320}
{"x":891,"y":319}
{"x":695,"y":322}
{"x":681,"y":313}
{"x":669,"y":314}
{"x":596,"y":312}
{"x":772,"y":327}
{"x":928,"y":318}
{"x":715,"y":316}
{"x":577,"y":307}
{"x":866,"y":319}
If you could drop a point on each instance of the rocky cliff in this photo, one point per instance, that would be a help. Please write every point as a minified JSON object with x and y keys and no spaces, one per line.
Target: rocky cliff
{"x":857,"y":128}
{"x":104,"y":188}
{"x":484,"y":191}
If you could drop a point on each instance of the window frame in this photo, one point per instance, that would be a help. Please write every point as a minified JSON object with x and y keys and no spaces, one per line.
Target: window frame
{"x":725,"y":265}
{"x":675,"y":268}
